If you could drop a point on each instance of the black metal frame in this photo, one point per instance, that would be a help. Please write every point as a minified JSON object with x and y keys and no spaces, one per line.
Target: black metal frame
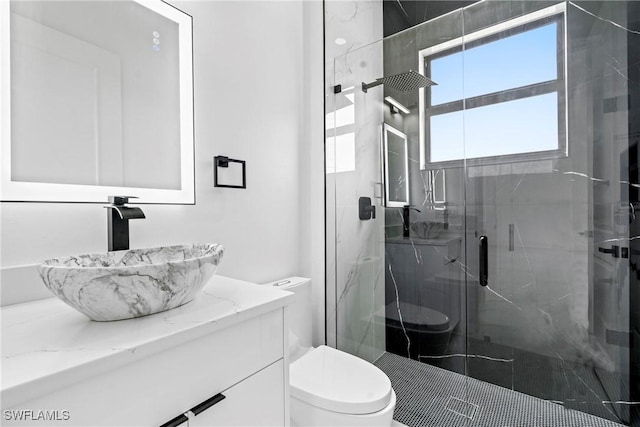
{"x":223,"y":162}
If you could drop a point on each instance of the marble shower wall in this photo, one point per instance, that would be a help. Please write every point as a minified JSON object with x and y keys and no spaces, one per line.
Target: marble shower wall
{"x":355,"y":248}
{"x":425,"y":274}
{"x":553,"y":296}
{"x":547,"y":293}
{"x":554,"y":293}
{"x":538,"y":298}
{"x":551,"y":293}
{"x":600,"y":43}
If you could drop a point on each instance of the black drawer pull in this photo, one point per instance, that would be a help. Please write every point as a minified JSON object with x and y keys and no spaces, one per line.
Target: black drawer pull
{"x":207,"y":404}
{"x":182,"y":418}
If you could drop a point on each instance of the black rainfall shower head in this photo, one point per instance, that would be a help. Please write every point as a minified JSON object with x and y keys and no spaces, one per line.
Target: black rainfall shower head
{"x":403,"y":82}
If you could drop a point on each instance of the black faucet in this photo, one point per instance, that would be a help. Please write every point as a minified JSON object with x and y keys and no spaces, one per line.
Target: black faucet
{"x":406,"y":219}
{"x":445,"y":218}
{"x":118,"y":221}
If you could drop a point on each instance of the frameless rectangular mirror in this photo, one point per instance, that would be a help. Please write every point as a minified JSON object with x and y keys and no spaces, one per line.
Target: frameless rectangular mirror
{"x":396,"y":167}
{"x":97,"y":99}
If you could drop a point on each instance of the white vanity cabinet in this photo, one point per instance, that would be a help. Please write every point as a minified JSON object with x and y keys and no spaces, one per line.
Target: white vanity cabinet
{"x":256,"y":401}
{"x":149,"y":371}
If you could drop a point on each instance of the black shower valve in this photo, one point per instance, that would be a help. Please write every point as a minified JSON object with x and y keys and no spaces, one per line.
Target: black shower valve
{"x":614,"y":251}
{"x":365,"y":209}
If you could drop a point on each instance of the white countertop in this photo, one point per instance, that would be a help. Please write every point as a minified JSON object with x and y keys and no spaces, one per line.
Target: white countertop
{"x":47,"y":345}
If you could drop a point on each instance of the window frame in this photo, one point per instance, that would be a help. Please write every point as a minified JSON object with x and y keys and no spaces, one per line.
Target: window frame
{"x":554,"y":14}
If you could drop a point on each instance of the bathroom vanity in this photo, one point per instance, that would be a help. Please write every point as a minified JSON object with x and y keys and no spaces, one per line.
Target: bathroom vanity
{"x":219,"y":360}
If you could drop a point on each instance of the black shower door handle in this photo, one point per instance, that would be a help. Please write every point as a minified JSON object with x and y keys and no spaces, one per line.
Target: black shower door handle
{"x":484,"y":261}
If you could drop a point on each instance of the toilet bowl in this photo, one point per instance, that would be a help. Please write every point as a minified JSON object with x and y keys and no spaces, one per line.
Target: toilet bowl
{"x":329,"y":387}
{"x":429,"y":330}
{"x":332,"y":388}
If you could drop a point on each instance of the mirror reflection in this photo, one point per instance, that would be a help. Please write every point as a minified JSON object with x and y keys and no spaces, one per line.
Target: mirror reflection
{"x":98,"y":96}
{"x":396,"y":167}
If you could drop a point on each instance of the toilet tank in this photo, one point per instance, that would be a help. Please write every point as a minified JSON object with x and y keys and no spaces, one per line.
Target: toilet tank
{"x":299,"y":314}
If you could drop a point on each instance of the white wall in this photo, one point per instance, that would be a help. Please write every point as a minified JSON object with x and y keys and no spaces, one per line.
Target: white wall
{"x":252,"y":102}
{"x":312,"y":199}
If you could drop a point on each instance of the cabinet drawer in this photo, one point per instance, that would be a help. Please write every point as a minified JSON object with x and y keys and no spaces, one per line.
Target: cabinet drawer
{"x":256,"y":401}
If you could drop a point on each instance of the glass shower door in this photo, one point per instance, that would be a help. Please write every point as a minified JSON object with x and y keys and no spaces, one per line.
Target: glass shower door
{"x":494,"y":281}
{"x":546,"y":153}
{"x":355,"y":217}
{"x":395,"y":281}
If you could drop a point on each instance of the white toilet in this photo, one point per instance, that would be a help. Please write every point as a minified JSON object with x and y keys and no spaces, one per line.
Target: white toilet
{"x":330,"y":387}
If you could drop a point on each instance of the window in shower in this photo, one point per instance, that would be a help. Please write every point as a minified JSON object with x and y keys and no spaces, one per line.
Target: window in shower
{"x":500,"y":95}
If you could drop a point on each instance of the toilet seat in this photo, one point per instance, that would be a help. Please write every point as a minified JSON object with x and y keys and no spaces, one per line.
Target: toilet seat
{"x":339,"y":382}
{"x":418,"y":318}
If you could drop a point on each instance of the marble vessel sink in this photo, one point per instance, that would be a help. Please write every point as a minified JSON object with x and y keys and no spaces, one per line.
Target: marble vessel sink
{"x":126,"y":284}
{"x":431,"y":230}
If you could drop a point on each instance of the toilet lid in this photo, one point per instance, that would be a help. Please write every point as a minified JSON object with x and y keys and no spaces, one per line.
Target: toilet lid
{"x":415,"y":316}
{"x":339,"y":382}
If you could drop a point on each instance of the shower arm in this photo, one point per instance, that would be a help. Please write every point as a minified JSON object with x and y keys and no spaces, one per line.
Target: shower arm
{"x":367,"y":86}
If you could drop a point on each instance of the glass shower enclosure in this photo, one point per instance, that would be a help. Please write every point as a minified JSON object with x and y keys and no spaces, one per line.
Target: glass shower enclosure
{"x":495,"y":278}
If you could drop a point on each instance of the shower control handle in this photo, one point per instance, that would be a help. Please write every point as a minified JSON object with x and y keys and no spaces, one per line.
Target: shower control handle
{"x":614,"y":251}
{"x":365,"y":209}
{"x":484,"y":261}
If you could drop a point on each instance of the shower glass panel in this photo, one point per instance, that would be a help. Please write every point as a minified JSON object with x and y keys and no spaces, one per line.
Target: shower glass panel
{"x":355,"y":266}
{"x":553,"y":320}
{"x":396,"y":287}
{"x":528,"y":143}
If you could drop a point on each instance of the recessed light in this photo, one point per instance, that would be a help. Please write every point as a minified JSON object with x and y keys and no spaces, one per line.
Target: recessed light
{"x":340,"y":41}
